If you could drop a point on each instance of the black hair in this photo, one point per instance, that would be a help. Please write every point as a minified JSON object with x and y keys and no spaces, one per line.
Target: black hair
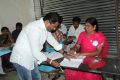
{"x":76,"y":19}
{"x":92,"y":21}
{"x":3,"y":28}
{"x":61,"y":19}
{"x":53,"y":17}
{"x":19,"y":24}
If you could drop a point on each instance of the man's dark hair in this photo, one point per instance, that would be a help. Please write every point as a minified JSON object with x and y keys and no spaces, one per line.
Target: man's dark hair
{"x":53,"y":17}
{"x":76,"y":19}
{"x":19,"y":24}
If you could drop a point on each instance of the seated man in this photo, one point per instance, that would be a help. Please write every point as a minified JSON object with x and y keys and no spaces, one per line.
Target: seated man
{"x":16,"y":32}
{"x":75,"y":30}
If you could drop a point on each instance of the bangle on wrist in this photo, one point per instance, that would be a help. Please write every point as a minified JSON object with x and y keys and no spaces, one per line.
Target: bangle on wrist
{"x":51,"y":61}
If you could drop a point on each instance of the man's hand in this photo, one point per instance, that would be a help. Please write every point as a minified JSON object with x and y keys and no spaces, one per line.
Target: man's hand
{"x":55,"y":63}
{"x":52,"y":62}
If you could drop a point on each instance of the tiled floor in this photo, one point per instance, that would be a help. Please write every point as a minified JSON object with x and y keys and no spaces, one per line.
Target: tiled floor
{"x":13,"y":76}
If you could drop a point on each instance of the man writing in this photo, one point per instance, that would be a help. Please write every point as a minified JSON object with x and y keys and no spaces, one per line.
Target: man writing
{"x":27,"y":53}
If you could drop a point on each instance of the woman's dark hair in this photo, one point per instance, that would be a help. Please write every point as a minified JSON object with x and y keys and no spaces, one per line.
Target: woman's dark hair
{"x":3,"y":28}
{"x":76,"y":19}
{"x":53,"y":17}
{"x":92,"y":21}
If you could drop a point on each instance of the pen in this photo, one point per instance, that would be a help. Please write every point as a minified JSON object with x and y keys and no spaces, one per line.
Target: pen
{"x":61,"y":68}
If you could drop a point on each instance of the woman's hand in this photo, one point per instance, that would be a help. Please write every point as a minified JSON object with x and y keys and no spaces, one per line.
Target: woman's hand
{"x":70,"y":55}
{"x":71,"y":52}
{"x":67,"y":56}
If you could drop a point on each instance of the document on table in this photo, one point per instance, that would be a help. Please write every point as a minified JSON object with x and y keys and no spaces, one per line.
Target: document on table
{"x":72,"y":62}
{"x":53,"y":55}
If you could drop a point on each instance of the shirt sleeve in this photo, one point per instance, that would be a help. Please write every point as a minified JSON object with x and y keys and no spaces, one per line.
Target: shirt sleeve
{"x":52,"y":41}
{"x":71,"y":32}
{"x":34,"y":38}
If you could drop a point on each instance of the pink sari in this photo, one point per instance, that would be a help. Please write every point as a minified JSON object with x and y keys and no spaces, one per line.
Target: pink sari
{"x":89,"y":43}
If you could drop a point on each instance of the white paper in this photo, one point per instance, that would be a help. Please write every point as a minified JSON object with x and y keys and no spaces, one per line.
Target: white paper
{"x":53,"y":55}
{"x":72,"y":62}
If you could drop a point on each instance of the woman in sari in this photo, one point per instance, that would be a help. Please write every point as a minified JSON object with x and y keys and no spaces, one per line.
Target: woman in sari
{"x":92,"y":44}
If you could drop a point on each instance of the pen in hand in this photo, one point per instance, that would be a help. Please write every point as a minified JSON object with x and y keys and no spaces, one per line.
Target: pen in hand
{"x":61,"y":68}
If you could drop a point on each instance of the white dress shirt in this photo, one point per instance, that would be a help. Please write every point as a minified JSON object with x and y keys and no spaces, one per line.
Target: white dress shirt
{"x":75,"y":32}
{"x":63,"y":29}
{"x":27,"y":49}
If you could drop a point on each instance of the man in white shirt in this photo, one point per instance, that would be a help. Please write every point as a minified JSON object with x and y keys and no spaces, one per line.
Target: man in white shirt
{"x":63,"y":29}
{"x":27,"y":53}
{"x":75,"y":30}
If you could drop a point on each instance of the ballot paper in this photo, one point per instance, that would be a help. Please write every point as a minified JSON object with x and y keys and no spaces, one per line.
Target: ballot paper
{"x":72,"y":62}
{"x":53,"y":55}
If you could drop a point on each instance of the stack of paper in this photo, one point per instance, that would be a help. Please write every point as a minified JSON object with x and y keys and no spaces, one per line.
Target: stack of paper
{"x":53,"y":55}
{"x":72,"y":62}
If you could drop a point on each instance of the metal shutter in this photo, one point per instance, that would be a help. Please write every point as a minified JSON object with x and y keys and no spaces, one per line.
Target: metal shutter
{"x":103,"y":10}
{"x":37,"y":8}
{"x":118,"y":27}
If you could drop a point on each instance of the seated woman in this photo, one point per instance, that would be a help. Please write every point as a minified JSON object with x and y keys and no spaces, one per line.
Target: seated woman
{"x":92,"y":44}
{"x":6,"y":41}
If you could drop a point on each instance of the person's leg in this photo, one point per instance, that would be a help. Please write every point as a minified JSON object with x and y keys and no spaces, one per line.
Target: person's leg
{"x":36,"y":73}
{"x":23,"y":73}
{"x":1,"y":68}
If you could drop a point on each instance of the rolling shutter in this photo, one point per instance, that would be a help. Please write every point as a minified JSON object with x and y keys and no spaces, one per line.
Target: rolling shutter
{"x":103,"y":10}
{"x":118,"y":27}
{"x":37,"y":8}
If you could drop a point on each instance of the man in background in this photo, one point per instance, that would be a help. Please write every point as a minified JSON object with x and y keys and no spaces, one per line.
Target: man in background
{"x":74,"y":31}
{"x":16,"y":32}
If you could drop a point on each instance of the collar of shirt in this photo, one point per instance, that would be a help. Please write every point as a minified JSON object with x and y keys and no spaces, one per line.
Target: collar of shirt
{"x":43,"y":25}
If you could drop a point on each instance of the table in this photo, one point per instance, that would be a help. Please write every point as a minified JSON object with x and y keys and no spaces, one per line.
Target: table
{"x":112,"y":68}
{"x":4,"y":50}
